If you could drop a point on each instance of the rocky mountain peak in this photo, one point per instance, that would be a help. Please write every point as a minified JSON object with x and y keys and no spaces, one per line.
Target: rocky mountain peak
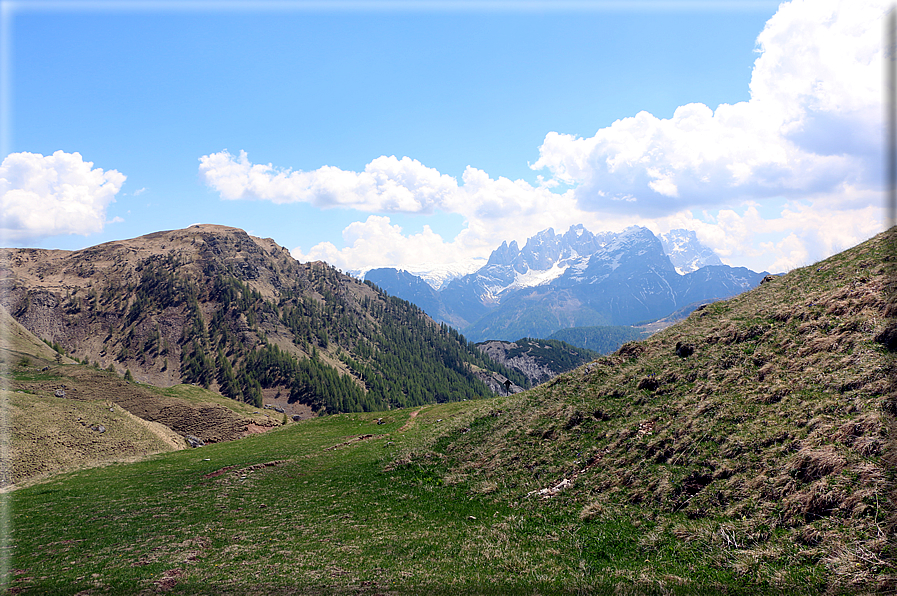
{"x":575,"y":279}
{"x":504,"y":254}
{"x":580,"y":241}
{"x":686,"y":252}
{"x":541,"y":251}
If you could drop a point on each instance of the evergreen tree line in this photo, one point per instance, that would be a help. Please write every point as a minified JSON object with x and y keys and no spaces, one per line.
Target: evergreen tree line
{"x":402,"y":357}
{"x":398,"y":356}
{"x":159,"y":288}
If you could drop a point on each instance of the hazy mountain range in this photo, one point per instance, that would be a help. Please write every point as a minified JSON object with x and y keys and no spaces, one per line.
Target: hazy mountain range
{"x":574,"y":279}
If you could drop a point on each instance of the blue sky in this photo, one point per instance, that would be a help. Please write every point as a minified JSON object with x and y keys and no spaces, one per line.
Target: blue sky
{"x":411,"y":134}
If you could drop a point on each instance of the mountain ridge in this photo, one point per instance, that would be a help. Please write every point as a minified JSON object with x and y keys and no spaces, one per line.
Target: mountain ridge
{"x":214,"y":306}
{"x":576,"y":279}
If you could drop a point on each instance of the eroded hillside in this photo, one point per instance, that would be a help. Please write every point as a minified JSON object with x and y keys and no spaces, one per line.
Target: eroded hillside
{"x":539,"y":359}
{"x":59,"y":415}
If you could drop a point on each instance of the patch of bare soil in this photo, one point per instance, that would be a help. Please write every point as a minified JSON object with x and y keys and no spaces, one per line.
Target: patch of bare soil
{"x":256,"y":429}
{"x":410,"y":422}
{"x":279,"y":396}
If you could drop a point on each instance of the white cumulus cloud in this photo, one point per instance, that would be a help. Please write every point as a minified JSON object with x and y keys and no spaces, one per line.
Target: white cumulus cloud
{"x":387,"y":184}
{"x":493,"y":208}
{"x":55,"y":194}
{"x":809,"y":140}
{"x":811,"y":129}
{"x":801,"y":234}
{"x":377,"y":242}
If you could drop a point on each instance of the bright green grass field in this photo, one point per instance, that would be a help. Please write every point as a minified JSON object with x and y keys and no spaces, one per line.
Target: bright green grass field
{"x":323,"y":521}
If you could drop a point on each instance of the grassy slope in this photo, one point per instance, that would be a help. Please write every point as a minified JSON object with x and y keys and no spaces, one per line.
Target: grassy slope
{"x":49,"y":434}
{"x":710,"y":475}
{"x":763,"y":450}
{"x":329,"y":515}
{"x":165,"y":305}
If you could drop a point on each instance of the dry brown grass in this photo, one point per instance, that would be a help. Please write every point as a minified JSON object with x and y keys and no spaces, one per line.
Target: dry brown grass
{"x":52,"y":435}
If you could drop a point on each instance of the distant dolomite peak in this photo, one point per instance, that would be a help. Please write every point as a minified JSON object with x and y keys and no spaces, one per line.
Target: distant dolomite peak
{"x":686,"y":252}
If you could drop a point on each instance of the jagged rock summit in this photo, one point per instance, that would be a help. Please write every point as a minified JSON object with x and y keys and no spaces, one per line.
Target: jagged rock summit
{"x":578,"y":279}
{"x":686,"y":252}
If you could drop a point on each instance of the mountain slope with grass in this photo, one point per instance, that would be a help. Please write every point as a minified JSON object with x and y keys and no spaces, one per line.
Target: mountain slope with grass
{"x":745,"y":450}
{"x":213,"y":306}
{"x":756,"y":431}
{"x":60,"y":415}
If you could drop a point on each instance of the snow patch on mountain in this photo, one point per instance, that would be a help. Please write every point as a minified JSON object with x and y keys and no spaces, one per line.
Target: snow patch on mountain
{"x":535,"y":277}
{"x":686,"y":252}
{"x":439,"y":275}
{"x":578,"y":268}
{"x":578,"y":255}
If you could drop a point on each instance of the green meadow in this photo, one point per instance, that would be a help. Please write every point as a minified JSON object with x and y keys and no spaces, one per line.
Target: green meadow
{"x":339,"y":504}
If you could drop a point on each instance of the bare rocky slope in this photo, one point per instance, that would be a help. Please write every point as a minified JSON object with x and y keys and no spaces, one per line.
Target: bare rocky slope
{"x":540,"y":360}
{"x":759,"y":431}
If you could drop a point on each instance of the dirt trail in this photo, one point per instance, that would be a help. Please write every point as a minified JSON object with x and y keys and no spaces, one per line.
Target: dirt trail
{"x":408,"y":424}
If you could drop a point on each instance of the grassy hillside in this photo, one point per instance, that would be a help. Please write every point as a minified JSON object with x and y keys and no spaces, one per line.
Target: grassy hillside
{"x":755,"y":432}
{"x":742,"y":451}
{"x":52,"y":435}
{"x":62,"y":417}
{"x":17,"y":344}
{"x":334,"y":505}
